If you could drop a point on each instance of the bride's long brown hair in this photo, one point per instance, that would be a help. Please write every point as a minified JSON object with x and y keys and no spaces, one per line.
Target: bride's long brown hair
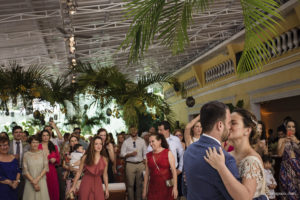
{"x":90,"y":152}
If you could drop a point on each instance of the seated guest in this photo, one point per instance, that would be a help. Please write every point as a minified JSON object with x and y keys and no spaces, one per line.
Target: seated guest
{"x":9,"y":172}
{"x":35,"y":166}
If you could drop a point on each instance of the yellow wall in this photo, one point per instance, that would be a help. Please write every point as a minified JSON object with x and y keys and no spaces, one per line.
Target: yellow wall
{"x":277,"y":79}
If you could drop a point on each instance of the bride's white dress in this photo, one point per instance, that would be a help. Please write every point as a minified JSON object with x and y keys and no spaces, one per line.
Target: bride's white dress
{"x":251,"y":167}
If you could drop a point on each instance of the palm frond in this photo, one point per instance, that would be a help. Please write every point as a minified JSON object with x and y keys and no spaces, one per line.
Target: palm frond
{"x":260,"y":18}
{"x":168,"y":18}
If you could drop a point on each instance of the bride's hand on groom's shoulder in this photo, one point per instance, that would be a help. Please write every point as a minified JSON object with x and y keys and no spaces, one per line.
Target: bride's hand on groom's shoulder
{"x":215,"y":159}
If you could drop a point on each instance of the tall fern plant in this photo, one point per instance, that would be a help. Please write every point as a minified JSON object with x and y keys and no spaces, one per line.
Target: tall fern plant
{"x":167,"y":21}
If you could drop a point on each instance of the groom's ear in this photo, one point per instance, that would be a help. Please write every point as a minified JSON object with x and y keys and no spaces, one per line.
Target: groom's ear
{"x":219,"y":126}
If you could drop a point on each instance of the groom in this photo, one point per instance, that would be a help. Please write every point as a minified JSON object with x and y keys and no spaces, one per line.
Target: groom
{"x":202,"y":181}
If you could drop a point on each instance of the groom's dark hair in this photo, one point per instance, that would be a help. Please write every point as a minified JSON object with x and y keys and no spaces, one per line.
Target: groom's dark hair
{"x":211,"y":113}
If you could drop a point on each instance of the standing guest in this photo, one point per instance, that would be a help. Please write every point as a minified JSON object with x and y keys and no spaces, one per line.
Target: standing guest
{"x":55,"y":140}
{"x":270,"y":180}
{"x":259,"y":139}
{"x":195,"y":127}
{"x":9,"y":172}
{"x":152,"y":130}
{"x":108,"y":152}
{"x":145,"y":136}
{"x":25,"y":136}
{"x":77,"y":132}
{"x":70,"y":171}
{"x":134,"y":151}
{"x":4,"y":134}
{"x":94,"y":165}
{"x":175,"y":146}
{"x":53,"y":157}
{"x":160,"y":166}
{"x":111,"y":139}
{"x":289,"y":149}
{"x":178,"y":133}
{"x":17,"y":148}
{"x":120,"y":162}
{"x":35,"y":166}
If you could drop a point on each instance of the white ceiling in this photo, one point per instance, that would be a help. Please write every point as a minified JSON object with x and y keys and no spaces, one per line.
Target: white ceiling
{"x":29,"y":35}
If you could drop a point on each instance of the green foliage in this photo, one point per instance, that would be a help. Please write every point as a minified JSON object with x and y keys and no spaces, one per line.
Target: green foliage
{"x":260,"y":19}
{"x":239,"y":104}
{"x":104,"y":84}
{"x":167,"y":22}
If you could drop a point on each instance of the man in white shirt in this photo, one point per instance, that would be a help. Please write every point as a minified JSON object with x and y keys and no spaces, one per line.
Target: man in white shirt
{"x":134,"y":151}
{"x":174,"y":144}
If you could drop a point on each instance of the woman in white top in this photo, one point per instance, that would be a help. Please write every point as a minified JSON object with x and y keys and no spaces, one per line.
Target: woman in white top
{"x":248,"y":160}
{"x":192,"y":131}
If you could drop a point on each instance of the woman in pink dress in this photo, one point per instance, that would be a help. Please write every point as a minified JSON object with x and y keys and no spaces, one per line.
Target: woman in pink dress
{"x":52,"y":153}
{"x":94,"y":165}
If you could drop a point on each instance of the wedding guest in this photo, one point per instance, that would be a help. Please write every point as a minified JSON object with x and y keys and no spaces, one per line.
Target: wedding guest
{"x":76,"y":156}
{"x":289,"y":149}
{"x":94,"y":165}
{"x":56,"y":140}
{"x":4,"y":134}
{"x":53,"y":157}
{"x":35,"y":166}
{"x":77,"y":132}
{"x":258,"y":141}
{"x":17,"y":148}
{"x":70,"y":171}
{"x":270,"y":180}
{"x":178,"y":133}
{"x":108,"y":151}
{"x":145,"y":136}
{"x":192,"y":131}
{"x":120,"y":162}
{"x":160,"y":167}
{"x":134,"y":151}
{"x":9,"y":172}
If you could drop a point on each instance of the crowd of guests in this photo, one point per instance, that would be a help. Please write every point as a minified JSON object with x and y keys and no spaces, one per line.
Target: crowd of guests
{"x":219,"y":155}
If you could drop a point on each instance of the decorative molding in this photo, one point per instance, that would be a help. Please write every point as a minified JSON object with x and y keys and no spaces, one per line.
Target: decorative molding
{"x":200,"y":92}
{"x":169,"y":93}
{"x":219,"y":71}
{"x":190,"y":83}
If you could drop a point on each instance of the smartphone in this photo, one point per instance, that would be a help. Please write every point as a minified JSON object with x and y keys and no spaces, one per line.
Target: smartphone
{"x":51,"y":119}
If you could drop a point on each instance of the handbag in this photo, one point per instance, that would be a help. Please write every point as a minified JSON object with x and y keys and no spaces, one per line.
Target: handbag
{"x":169,"y":182}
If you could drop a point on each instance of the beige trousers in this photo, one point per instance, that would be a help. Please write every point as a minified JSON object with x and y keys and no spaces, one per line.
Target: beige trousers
{"x":134,"y":172}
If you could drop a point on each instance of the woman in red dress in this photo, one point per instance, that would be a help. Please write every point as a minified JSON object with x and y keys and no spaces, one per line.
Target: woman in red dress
{"x":160,"y":165}
{"x":94,"y":166}
{"x":52,"y":153}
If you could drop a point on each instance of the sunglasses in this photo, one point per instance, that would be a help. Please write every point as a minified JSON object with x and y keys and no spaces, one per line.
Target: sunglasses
{"x":134,"y":145}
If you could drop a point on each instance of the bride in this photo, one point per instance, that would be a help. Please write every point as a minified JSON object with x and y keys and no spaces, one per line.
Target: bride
{"x":249,"y":162}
